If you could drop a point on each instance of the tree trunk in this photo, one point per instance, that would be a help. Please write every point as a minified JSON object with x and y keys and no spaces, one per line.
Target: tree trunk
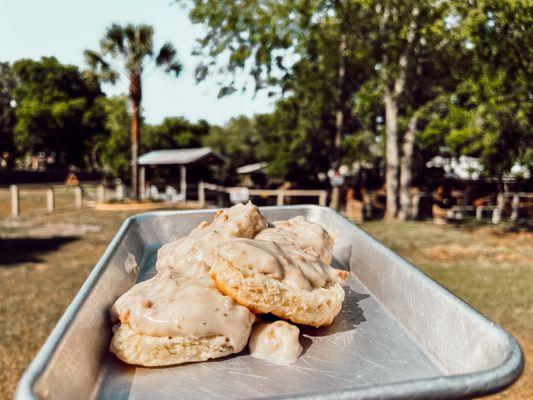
{"x":392,"y":153}
{"x":135,"y":97}
{"x":394,"y":90}
{"x":406,"y":166}
{"x":340,"y":117}
{"x":135,"y":118}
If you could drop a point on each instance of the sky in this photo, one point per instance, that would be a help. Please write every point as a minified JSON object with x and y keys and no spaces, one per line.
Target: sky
{"x":64,"y":29}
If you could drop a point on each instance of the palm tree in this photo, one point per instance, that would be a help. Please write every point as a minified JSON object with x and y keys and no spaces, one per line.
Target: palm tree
{"x":133,"y":46}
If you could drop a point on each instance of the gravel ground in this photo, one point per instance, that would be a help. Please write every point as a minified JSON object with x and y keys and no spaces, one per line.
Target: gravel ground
{"x":45,"y":258}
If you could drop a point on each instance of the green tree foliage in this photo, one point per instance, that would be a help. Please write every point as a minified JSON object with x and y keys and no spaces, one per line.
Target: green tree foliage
{"x":237,"y":141}
{"x":407,"y":79}
{"x":489,"y":114}
{"x":7,"y":114}
{"x":292,"y":47}
{"x":133,"y":46}
{"x":111,"y":148}
{"x":174,"y":133}
{"x":54,"y":104}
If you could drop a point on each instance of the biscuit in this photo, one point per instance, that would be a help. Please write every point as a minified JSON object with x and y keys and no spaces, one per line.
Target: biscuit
{"x":170,"y":319}
{"x":271,"y":278}
{"x":154,"y":351}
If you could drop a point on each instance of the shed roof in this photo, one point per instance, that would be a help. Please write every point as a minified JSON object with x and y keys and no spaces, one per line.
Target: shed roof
{"x":178,"y":156}
{"x":250,"y":168}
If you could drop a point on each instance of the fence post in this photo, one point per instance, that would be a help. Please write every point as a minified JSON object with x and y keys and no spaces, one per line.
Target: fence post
{"x":142,"y":182}
{"x":479,"y":213}
{"x":322,"y":199}
{"x":498,"y":211}
{"x":15,"y":204}
{"x":100,"y":194}
{"x":279,"y":198}
{"x":201,"y":194}
{"x":515,"y":205}
{"x":497,"y":215}
{"x":415,"y":206}
{"x":119,"y":190}
{"x":78,"y":196}
{"x":50,"y":203}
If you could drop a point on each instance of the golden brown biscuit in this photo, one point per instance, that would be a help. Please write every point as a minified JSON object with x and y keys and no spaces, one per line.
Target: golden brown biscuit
{"x":268,"y":277}
{"x":155,"y":351}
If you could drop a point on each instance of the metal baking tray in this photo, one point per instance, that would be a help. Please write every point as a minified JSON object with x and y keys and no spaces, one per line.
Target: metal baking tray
{"x":400,"y":335}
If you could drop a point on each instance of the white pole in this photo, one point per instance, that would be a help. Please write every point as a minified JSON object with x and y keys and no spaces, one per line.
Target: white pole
{"x":496,"y":215}
{"x":142,"y":179}
{"x":100,"y":195}
{"x":50,"y":201}
{"x":78,"y":196}
{"x":515,"y":205}
{"x":322,"y":198}
{"x":119,"y":190}
{"x":183,"y":181}
{"x":479,"y":213}
{"x":15,"y":204}
{"x":201,"y":194}
{"x":280,"y":196}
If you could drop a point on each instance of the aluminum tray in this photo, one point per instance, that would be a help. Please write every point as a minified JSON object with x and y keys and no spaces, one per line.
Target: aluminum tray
{"x":400,"y":335}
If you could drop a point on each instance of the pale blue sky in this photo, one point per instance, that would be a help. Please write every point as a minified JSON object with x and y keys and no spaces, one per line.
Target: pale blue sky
{"x":63,"y":28}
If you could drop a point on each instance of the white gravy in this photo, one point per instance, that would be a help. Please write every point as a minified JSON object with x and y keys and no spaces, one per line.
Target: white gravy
{"x":173,"y":305}
{"x":303,"y":234}
{"x":281,"y":261}
{"x":275,"y":342}
{"x":193,"y":254}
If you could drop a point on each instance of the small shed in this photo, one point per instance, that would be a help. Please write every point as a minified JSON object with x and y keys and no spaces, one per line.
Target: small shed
{"x":182,"y":157}
{"x":253,"y":175}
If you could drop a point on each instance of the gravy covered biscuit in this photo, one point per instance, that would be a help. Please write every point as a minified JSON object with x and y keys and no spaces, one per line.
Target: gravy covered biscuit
{"x":172,"y":319}
{"x":208,"y":285}
{"x":192,"y":254}
{"x":303,"y":234}
{"x":279,"y":278}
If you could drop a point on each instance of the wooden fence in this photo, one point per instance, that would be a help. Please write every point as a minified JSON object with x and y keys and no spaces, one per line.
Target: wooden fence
{"x":279,"y":194}
{"x":79,"y":193}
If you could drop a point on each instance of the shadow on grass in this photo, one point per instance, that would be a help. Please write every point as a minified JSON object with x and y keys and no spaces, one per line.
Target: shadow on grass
{"x":505,"y":226}
{"x":21,"y":250}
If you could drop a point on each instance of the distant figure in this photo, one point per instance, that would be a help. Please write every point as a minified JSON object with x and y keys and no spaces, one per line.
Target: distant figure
{"x":443,"y":201}
{"x":6,"y":162}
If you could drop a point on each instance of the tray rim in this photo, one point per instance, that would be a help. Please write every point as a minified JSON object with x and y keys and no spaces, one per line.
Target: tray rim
{"x":483,"y":382}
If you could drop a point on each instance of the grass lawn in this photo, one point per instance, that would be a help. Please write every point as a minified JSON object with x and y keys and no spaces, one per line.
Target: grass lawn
{"x":45,"y":258}
{"x":491,"y":268}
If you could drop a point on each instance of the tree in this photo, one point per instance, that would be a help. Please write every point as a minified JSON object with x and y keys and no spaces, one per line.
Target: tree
{"x":369,"y":39}
{"x":110,"y":148}
{"x":411,"y":37}
{"x":53,"y":105}
{"x":7,"y":114}
{"x":268,"y":39}
{"x":238,"y":141}
{"x":134,"y":46}
{"x":489,"y":113}
{"x":296,"y":48}
{"x":414,"y":55}
{"x":174,"y":132}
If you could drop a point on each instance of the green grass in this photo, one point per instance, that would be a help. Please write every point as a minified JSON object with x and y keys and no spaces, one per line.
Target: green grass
{"x":44,"y":259}
{"x":39,"y":276}
{"x":489,"y":267}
